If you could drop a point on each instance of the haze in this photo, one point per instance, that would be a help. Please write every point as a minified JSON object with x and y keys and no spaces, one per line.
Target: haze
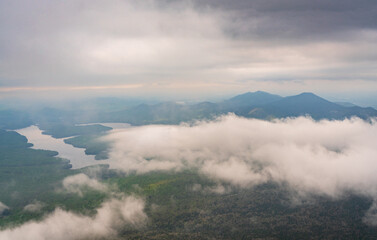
{"x":189,"y":49}
{"x":190,"y":119}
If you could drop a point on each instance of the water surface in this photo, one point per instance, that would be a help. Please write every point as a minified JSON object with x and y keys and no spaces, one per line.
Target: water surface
{"x":76,"y":156}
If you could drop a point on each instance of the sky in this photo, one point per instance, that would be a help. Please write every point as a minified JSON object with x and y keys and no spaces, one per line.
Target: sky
{"x":189,"y":48}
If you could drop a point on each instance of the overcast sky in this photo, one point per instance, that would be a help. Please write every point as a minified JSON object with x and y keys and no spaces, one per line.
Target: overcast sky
{"x":203,"y":47}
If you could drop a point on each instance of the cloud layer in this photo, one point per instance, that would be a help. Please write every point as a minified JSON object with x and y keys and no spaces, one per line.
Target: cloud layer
{"x":327,"y":158}
{"x":35,"y":206}
{"x":3,"y":207}
{"x":158,"y":46}
{"x":63,"y":225}
{"x":78,"y":182}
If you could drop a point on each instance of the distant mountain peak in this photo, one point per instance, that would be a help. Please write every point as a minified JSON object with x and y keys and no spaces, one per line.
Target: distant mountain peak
{"x":253,"y":94}
{"x":253,"y":98}
{"x":258,"y":94}
{"x":261,"y":92}
{"x":307,"y":94}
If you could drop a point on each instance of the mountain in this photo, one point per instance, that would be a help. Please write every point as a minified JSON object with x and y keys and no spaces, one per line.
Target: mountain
{"x":308,"y":104}
{"x":259,"y":104}
{"x":164,"y":113}
{"x":346,"y":104}
{"x":249,"y":99}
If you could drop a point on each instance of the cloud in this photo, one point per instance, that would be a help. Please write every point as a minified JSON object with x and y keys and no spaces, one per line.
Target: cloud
{"x":3,"y":207}
{"x":63,"y":225}
{"x":36,"y":206}
{"x":121,"y":38}
{"x":158,"y":46}
{"x":78,"y":182}
{"x":328,"y":158}
{"x":218,"y":188}
{"x":298,"y":20}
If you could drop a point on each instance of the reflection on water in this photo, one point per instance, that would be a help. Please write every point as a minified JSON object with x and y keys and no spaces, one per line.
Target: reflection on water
{"x":77,"y":156}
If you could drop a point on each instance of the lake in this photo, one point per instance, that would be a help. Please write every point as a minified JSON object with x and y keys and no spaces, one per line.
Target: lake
{"x":77,"y":156}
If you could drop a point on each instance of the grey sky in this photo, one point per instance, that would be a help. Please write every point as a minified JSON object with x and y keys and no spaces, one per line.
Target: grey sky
{"x":189,"y":46}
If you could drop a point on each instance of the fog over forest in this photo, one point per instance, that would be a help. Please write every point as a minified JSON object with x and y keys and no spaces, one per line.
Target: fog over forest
{"x":188,"y":119}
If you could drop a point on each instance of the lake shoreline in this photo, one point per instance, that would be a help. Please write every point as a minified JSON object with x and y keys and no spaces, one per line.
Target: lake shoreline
{"x":76,"y":156}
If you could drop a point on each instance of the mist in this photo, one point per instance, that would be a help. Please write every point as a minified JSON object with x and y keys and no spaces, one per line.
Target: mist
{"x":193,"y":80}
{"x":325,"y":158}
{"x":3,"y":207}
{"x":35,"y":206}
{"x":76,"y":183}
{"x":113,"y":215}
{"x":117,"y":212}
{"x":190,"y":48}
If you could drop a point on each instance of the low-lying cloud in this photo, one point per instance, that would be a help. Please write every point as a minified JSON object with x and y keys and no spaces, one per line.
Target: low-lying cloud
{"x":64,"y":225}
{"x":3,"y":207}
{"x":35,"y":206}
{"x":326,"y":158}
{"x":78,"y":182}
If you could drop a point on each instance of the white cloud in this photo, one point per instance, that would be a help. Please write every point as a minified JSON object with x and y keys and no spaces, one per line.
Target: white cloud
{"x":218,"y":188}
{"x":176,"y":46}
{"x":63,"y":225}
{"x":36,"y":206}
{"x":326,"y":157}
{"x":76,"y":184}
{"x":3,"y":207}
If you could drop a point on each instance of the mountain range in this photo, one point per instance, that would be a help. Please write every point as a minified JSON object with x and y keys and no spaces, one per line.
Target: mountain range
{"x":261,"y":105}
